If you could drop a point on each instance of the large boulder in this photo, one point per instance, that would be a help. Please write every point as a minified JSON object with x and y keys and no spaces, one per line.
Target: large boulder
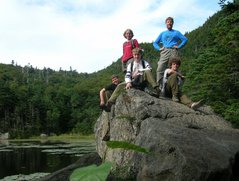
{"x":183,"y":144}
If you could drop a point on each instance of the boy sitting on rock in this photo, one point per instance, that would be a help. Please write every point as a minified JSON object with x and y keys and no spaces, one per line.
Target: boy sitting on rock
{"x":138,"y":75}
{"x":172,"y":84}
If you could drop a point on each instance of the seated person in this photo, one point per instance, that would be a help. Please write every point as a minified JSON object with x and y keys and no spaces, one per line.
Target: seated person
{"x":138,"y":75}
{"x":106,"y":92}
{"x":172,"y":84}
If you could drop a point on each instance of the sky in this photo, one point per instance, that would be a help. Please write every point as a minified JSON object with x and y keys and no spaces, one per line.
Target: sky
{"x":87,"y":35}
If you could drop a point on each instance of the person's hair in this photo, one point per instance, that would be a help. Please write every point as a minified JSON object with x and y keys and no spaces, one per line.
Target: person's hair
{"x":128,"y":30}
{"x":175,"y":60}
{"x":169,"y":18}
{"x":137,"y":50}
{"x":114,"y":76}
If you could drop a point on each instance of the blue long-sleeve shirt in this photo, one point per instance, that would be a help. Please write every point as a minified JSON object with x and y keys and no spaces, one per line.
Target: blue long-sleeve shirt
{"x":170,"y":38}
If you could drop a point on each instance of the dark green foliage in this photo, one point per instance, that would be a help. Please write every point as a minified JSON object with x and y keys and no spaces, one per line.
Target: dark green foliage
{"x":92,"y":172}
{"x":210,"y":61}
{"x":34,"y":101}
{"x":126,"y":145}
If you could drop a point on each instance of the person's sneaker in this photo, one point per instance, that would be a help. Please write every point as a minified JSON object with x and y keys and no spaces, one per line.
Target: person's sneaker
{"x":196,"y":105}
{"x":175,"y":99}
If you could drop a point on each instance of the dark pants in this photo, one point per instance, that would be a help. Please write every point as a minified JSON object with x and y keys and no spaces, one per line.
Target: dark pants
{"x":173,"y":89}
{"x":165,"y":55}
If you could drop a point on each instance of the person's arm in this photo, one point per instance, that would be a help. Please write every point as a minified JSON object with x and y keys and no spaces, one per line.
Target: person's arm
{"x":156,"y":42}
{"x":123,"y":52}
{"x":128,"y":77}
{"x":102,"y":94}
{"x":147,"y":65}
{"x":136,"y":43}
{"x":183,"y":40}
{"x":180,"y":75}
{"x":170,"y":71}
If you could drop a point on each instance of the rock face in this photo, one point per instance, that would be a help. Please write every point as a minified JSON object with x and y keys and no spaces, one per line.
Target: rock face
{"x":184,"y":144}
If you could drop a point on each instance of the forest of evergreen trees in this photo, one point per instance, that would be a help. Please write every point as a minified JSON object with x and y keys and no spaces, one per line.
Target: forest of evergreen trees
{"x":34,"y":101}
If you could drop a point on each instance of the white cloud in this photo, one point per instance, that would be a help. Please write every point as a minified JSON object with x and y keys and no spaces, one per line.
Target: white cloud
{"x":87,"y":34}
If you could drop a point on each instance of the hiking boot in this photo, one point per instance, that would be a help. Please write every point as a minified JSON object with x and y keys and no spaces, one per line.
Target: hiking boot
{"x":196,"y":105}
{"x":175,"y":98}
{"x":107,"y":108}
{"x":158,"y":91}
{"x":146,"y":89}
{"x":102,"y":106}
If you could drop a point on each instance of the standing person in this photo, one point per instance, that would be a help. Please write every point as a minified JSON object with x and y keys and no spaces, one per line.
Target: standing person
{"x":172,"y":84}
{"x":171,"y":41}
{"x":128,"y":46}
{"x":106,"y":92}
{"x":138,"y":76}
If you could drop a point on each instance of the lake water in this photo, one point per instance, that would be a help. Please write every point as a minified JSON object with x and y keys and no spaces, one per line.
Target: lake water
{"x":40,"y":156}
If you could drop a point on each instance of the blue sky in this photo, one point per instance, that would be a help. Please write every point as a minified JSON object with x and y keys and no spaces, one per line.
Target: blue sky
{"x":87,"y":35}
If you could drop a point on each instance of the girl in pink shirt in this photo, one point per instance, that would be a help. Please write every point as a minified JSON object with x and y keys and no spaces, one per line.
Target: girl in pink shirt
{"x":128,"y":46}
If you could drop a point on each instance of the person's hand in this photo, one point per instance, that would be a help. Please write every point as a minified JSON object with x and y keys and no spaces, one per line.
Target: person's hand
{"x":175,"y":46}
{"x":161,"y":49}
{"x":170,"y":71}
{"x":128,"y":85}
{"x":135,"y":73}
{"x":183,"y":77}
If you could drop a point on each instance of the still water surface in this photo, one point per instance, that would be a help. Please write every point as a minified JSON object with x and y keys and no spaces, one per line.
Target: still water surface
{"x":40,"y":156}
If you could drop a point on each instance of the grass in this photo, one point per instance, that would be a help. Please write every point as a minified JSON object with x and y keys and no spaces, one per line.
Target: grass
{"x":72,"y":136}
{"x":63,"y":137}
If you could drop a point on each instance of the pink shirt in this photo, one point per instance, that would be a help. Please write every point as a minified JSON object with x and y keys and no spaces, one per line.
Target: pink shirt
{"x":127,"y":50}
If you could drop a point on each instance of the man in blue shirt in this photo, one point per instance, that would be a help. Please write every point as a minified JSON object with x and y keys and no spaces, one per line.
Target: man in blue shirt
{"x":168,"y":43}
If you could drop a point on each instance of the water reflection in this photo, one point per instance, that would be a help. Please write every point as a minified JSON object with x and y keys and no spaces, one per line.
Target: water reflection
{"x":30,"y":157}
